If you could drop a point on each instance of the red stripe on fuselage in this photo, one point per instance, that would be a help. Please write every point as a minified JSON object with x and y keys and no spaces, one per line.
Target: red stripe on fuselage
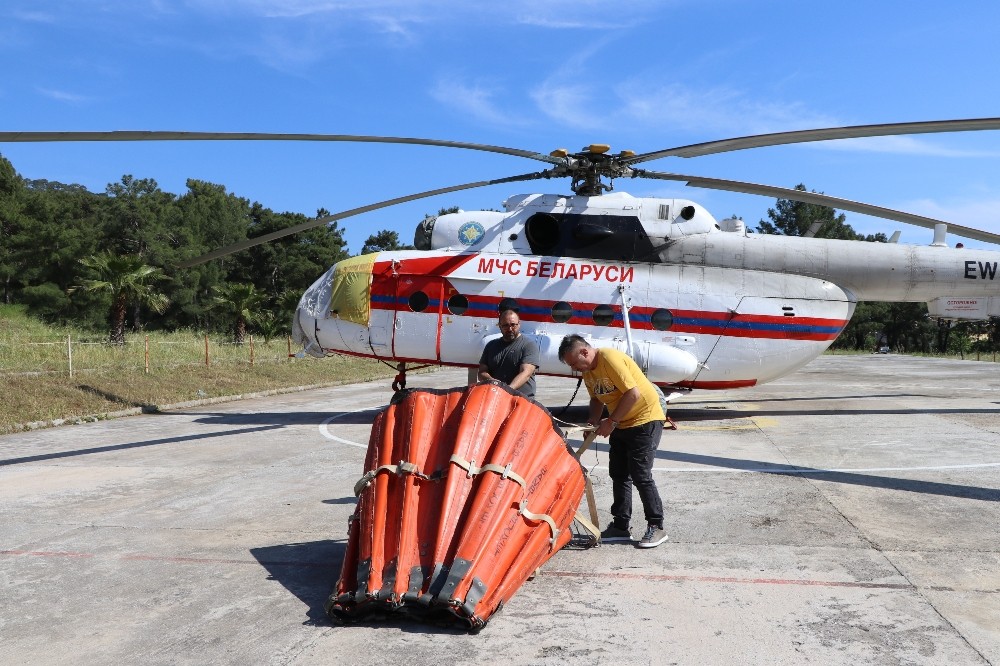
{"x":728,"y":324}
{"x":716,"y":386}
{"x":433,"y":266}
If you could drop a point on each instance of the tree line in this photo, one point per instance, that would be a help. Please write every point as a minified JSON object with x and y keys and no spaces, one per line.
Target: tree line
{"x":72,"y":256}
{"x":97,"y":260}
{"x":900,"y":327}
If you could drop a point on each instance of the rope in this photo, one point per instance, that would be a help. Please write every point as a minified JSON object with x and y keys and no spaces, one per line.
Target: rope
{"x":563,"y":410}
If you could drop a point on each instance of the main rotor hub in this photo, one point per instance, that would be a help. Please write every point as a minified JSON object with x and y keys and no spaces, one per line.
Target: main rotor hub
{"x":587,"y":168}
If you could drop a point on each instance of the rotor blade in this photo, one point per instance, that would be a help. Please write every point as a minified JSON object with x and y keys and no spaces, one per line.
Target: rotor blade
{"x":128,"y":135}
{"x":827,"y":134}
{"x":822,"y":200}
{"x":326,"y":219}
{"x":813,"y":229}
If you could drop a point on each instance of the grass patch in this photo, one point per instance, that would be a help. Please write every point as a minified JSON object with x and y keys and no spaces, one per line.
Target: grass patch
{"x":28,"y":399}
{"x":34,"y":369}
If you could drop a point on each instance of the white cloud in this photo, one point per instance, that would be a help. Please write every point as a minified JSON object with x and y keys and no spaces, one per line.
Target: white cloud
{"x":580,"y":14}
{"x":642,"y":104}
{"x":62,"y":95}
{"x":647,"y":102}
{"x":569,"y":104}
{"x":400,"y":9}
{"x":981,"y":213}
{"x":560,"y":14}
{"x":715,"y":110}
{"x":34,"y":16}
{"x":474,"y":100}
{"x":902,"y":145}
{"x":639,"y":105}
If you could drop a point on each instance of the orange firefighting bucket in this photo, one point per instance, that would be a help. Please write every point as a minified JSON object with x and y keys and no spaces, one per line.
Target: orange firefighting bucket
{"x":466,"y":492}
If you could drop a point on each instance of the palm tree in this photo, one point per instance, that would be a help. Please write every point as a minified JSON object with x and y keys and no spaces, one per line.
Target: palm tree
{"x":243,"y":302}
{"x":272,"y":327}
{"x":128,"y":280}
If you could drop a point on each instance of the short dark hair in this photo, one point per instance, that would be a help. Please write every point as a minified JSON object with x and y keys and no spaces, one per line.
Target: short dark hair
{"x":505,"y":311}
{"x":569,"y":342}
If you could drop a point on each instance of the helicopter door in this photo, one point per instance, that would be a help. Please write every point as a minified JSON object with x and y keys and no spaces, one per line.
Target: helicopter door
{"x":416,"y":331}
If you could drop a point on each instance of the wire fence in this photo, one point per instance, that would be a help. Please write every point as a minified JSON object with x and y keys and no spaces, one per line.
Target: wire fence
{"x":140,"y":353}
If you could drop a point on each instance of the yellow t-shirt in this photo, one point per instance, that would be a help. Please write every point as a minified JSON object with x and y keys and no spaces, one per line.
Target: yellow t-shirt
{"x":616,"y":373}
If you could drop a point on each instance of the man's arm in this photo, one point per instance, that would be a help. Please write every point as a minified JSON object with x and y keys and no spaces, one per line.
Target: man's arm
{"x":484,"y":370}
{"x":625,"y":405}
{"x":484,"y":373}
{"x":596,"y":409}
{"x":527,"y":370}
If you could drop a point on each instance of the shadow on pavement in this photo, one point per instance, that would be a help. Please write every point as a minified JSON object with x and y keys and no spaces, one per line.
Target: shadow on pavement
{"x":307,"y":570}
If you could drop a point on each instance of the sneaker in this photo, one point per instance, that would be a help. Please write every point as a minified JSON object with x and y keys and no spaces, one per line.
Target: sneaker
{"x":612,"y":533}
{"x":653,"y":537}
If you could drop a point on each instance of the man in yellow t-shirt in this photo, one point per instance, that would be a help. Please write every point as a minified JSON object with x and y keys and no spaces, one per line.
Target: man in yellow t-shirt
{"x":633,"y":428}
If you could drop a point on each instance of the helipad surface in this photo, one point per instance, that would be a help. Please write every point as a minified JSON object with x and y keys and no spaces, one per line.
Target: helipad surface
{"x":847,"y":514}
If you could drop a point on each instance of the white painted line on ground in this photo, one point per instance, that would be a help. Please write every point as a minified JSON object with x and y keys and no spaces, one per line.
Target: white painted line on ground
{"x":325,"y":430}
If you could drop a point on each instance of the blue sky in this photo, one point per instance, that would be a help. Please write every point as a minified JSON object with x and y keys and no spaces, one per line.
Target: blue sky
{"x":526,"y":74}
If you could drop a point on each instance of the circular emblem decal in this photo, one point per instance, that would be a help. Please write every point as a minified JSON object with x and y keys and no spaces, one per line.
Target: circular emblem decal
{"x":470,"y":233}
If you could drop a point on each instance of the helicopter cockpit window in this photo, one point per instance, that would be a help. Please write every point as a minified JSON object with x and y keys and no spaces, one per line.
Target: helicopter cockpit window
{"x":458,"y":304}
{"x":424,"y":233}
{"x":610,"y":237}
{"x":561,"y":312}
{"x":418,"y":301}
{"x":508,"y":304}
{"x":542,"y":231}
{"x":604,"y":315}
{"x":662,"y":320}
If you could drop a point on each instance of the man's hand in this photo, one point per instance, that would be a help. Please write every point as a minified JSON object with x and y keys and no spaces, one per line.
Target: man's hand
{"x":605,"y":428}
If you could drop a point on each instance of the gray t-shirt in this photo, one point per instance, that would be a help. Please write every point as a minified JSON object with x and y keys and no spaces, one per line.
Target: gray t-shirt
{"x":503,"y":361}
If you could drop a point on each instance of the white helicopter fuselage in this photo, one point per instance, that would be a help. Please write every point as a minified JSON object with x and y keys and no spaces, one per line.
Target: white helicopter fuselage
{"x":869,"y":271}
{"x":698,"y":304}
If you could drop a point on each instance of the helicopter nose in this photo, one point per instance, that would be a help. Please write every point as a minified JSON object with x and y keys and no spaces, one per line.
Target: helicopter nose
{"x":334,"y":314}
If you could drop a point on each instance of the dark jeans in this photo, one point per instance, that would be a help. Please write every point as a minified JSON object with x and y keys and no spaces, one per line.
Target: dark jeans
{"x":631,"y":462}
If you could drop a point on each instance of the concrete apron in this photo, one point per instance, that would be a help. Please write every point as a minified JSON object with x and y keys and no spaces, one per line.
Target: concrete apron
{"x":846,"y":514}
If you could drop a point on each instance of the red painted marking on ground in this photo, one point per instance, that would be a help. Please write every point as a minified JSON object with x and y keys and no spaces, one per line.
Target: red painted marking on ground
{"x":139,"y":557}
{"x":42,"y":553}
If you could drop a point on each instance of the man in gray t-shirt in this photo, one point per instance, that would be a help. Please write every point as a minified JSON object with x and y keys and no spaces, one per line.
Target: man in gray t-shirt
{"x":511,"y":358}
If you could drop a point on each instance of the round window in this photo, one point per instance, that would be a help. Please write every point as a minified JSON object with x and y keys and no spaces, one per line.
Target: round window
{"x":603,"y":315}
{"x":458,"y":304}
{"x":662,"y":320}
{"x":418,"y":301}
{"x":561,"y":312}
{"x":508,"y":304}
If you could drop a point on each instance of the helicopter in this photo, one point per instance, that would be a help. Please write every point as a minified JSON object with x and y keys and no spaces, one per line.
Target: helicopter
{"x":699,"y":303}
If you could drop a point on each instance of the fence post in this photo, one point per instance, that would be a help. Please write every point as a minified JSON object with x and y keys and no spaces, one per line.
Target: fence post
{"x":69,"y":352}
{"x":290,"y":347}
{"x":147,"y":354}
{"x":251,"y":350}
{"x":206,"y":350}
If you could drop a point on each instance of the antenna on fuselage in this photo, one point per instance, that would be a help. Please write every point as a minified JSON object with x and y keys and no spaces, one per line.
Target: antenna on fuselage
{"x":940,"y":234}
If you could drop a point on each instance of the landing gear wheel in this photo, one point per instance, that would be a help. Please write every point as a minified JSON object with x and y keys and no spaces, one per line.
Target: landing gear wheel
{"x":399,"y":383}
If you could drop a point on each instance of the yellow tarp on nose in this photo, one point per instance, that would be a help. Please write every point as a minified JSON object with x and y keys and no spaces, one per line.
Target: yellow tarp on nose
{"x":350,"y":289}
